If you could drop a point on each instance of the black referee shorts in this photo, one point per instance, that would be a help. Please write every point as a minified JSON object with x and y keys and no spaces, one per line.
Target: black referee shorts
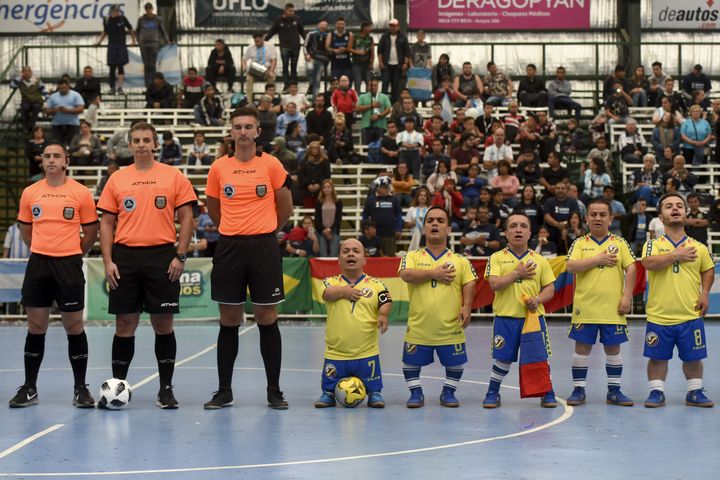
{"x":144,"y":283}
{"x":58,"y":279}
{"x":252,"y":262}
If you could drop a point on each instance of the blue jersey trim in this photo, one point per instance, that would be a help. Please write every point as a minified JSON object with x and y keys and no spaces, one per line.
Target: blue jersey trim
{"x":599,"y":242}
{"x":433,"y":256}
{"x":516,"y":256}
{"x":678,"y":243}
{"x":351,"y":283}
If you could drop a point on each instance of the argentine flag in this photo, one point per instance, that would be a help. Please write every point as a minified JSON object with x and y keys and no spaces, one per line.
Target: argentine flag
{"x":12,"y":274}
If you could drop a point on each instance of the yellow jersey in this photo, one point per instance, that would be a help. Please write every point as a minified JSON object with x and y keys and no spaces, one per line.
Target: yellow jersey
{"x":508,"y":302}
{"x":674,"y":291}
{"x":434,"y":306}
{"x":351,"y":329}
{"x":598,"y":291}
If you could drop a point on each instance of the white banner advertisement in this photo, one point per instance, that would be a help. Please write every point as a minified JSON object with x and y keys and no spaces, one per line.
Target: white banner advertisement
{"x":686,"y":14}
{"x":66,"y":16}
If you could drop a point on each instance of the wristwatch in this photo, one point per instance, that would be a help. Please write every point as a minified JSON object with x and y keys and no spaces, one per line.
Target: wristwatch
{"x":181,"y":256}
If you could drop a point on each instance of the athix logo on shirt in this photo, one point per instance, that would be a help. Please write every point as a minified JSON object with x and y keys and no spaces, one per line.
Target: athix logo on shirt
{"x":229,"y":190}
{"x":144,"y":182}
{"x":129,"y":204}
{"x":241,"y":171}
{"x":36,"y":211}
{"x":52,"y":195}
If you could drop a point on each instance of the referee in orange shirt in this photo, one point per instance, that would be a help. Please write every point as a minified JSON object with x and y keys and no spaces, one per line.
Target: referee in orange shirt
{"x":142,"y":263}
{"x":52,"y":213}
{"x":248,"y":197}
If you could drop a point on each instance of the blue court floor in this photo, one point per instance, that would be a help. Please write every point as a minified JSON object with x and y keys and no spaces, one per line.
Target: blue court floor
{"x":517,"y":441}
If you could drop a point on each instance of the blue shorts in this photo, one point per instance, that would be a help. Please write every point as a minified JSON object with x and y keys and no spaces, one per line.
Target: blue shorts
{"x":366,"y":369}
{"x":610,"y":334}
{"x":506,"y":337}
{"x":689,"y":337}
{"x":421,"y":355}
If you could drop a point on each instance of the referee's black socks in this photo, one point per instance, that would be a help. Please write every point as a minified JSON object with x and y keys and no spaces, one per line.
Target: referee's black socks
{"x":227,"y":350}
{"x":123,"y":350}
{"x":78,"y":353}
{"x":165,"y":351}
{"x":34,"y":352}
{"x":271,"y":351}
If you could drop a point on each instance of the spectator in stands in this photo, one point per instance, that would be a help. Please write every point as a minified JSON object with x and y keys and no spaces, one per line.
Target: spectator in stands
{"x":512,"y":122}
{"x":668,"y":113}
{"x":446,"y":90}
{"x":384,"y":209}
{"x":117,"y":146}
{"x":318,"y":120}
{"x":529,"y":136}
{"x":601,"y":150}
{"x":714,"y":214}
{"x":301,"y":241}
{"x":646,"y":182}
{"x":295,"y":137}
{"x":595,"y":178}
{"x":287,"y":157}
{"x":420,"y":55}
{"x":532,"y":91}
{"x":85,"y":148}
{"x":344,"y":100}
{"x":553,"y":174}
{"x":572,"y":138}
{"x":657,"y":83}
{"x":112,"y":168}
{"x":408,"y":111}
{"x":403,"y":184}
{"x":313,"y":171}
{"x":480,"y":238}
{"x":276,"y":98}
{"x":289,"y":29}
{"x":617,"y":105}
{"x":397,"y":106}
{"x":618,"y":210}
{"x":410,"y":142}
{"x":676,"y":98}
{"x":150,"y":29}
{"x":470,"y":185}
{"x":548,"y":134}
{"x":559,"y":91}
{"x":507,"y":183}
{"x":696,"y":134}
{"x":436,"y":180}
{"x":700,"y":99}
{"x":159,"y":94}
{"x":557,"y":210}
{"x":32,"y":96}
{"x":437,"y":131}
{"x":328,"y":217}
{"x":209,"y":111}
{"x":631,"y":143}
{"x":334,"y":85}
{"x":638,"y":225}
{"x":362,"y":56}
{"x":528,"y":168}
{"x":415,"y":216}
{"x":337,"y":44}
{"x":65,"y":106}
{"x":91,"y":113}
{"x":666,"y":134}
{"x":292,"y":95}
{"x":687,"y":180}
{"x":574,"y":194}
{"x":291,"y":114}
{"x":464,"y":155}
{"x":696,"y":225}
{"x":618,"y":76}
{"x":220,"y":64}
{"x":575,"y":229}
{"x":667,"y":159}
{"x":530,"y":206}
{"x":544,"y":243}
{"x":483,"y":122}
{"x":268,"y":121}
{"x":340,"y":145}
{"x":441,"y":69}
{"x":451,"y":201}
{"x":430,"y":160}
{"x":486,"y":199}
{"x":503,"y":210}
{"x":14,"y":246}
{"x":639,"y":87}
{"x":393,"y":58}
{"x":258,"y":54}
{"x":315,"y":52}
{"x":695,"y":80}
{"x":199,"y":151}
{"x":116,"y":28}
{"x":88,"y":86}
{"x":191,"y":89}
{"x":375,"y":108}
{"x":389,"y":148}
{"x":499,"y":150}
{"x":498,"y":86}
{"x":466,"y":85}
{"x":33,"y":151}
{"x":170,"y":149}
{"x":369,"y":239}
{"x":656,"y":228}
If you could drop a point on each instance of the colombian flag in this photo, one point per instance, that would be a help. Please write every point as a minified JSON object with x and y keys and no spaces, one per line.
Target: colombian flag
{"x":534,"y":367}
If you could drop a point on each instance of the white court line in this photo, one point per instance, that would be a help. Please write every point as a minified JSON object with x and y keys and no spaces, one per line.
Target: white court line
{"x":567,"y":413}
{"x":29,"y":440}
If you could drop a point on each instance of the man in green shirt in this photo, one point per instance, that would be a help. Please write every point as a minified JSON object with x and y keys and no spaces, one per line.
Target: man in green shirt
{"x":362,"y":48}
{"x":375,"y":108}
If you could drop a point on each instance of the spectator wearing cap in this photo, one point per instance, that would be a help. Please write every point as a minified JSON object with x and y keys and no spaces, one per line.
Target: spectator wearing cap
{"x":150,"y":30}
{"x":262,"y":54}
{"x":393,"y":58}
{"x":344,"y":100}
{"x":209,"y":110}
{"x":159,"y":94}
{"x":384,"y":209}
{"x":220,"y":65}
{"x":289,"y":29}
{"x":191,"y":89}
{"x":695,"y":80}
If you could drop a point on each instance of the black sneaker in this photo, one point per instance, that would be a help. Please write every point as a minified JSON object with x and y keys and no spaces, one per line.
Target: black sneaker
{"x":25,"y":397}
{"x":221,"y":398}
{"x":120,"y":91}
{"x":82,"y":398}
{"x":166,"y":399}
{"x":276,"y":400}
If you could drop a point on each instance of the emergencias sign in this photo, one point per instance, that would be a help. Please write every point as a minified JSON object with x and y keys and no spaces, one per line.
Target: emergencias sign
{"x":686,"y":14}
{"x":48,"y":16}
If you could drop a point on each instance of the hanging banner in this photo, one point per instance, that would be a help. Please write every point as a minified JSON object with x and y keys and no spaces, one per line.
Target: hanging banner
{"x":168,"y":63}
{"x":260,"y":14}
{"x":63,"y":16}
{"x":499,"y":14}
{"x":685,"y":15}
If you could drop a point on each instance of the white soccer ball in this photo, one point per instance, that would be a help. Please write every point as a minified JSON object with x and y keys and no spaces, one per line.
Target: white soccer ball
{"x":114,"y":394}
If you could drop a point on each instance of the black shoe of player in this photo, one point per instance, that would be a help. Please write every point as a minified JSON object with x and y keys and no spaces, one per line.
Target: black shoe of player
{"x":82,"y":398}
{"x":25,"y":397}
{"x":276,"y":400}
{"x":221,"y":398}
{"x":166,"y":399}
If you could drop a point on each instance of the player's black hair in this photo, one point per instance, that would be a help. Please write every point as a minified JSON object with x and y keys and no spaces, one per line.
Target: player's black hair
{"x":56,"y":143}
{"x":517,"y":213}
{"x":602,"y":201}
{"x":436,"y":207}
{"x":668,"y":195}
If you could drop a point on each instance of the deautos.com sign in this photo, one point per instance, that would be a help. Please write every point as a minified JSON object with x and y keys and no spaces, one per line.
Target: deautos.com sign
{"x":500,"y":14}
{"x":686,"y":14}
{"x":47,"y":16}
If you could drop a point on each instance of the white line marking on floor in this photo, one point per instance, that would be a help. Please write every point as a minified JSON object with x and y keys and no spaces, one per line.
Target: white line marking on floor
{"x":29,"y":440}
